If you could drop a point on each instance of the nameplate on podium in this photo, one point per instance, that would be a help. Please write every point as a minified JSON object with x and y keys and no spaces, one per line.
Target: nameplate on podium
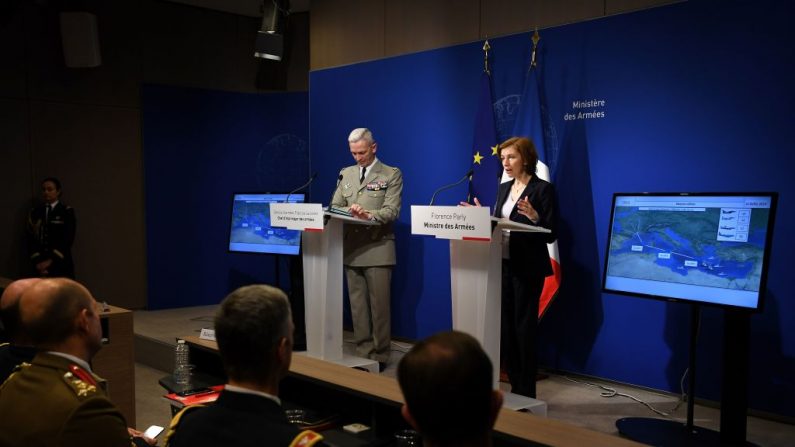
{"x":452,"y":222}
{"x":297,"y":216}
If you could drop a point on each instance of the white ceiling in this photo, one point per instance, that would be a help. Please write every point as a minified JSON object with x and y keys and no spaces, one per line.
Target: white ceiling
{"x":251,"y":8}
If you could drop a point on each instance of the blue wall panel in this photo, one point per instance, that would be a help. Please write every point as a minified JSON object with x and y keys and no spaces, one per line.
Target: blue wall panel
{"x":199,"y":148}
{"x":697,"y":99}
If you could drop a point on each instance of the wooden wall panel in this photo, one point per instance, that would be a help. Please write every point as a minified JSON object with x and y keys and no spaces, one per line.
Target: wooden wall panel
{"x":345,"y":31}
{"x":298,"y":69}
{"x":196,"y":47}
{"x":502,"y":17}
{"x":12,"y":47}
{"x":15,"y":198}
{"x":115,"y":82}
{"x":619,"y":6}
{"x":560,"y":12}
{"x":417,"y":25}
{"x":95,"y":151}
{"x":87,"y":124}
{"x":201,"y":48}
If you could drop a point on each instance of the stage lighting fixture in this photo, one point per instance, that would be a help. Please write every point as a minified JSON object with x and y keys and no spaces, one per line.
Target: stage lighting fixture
{"x":270,"y":38}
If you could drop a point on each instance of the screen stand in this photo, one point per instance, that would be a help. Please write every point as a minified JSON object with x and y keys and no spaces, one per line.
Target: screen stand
{"x":664,"y":432}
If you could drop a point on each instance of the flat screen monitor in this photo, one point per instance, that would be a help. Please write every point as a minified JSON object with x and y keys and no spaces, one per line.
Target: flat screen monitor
{"x":250,"y":230}
{"x":704,"y":248}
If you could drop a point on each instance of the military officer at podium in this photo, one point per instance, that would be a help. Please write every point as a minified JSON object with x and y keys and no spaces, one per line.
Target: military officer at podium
{"x":371,"y":190}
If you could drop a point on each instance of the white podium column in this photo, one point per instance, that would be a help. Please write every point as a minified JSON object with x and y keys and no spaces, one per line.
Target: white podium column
{"x":476,"y":280}
{"x":323,"y":291}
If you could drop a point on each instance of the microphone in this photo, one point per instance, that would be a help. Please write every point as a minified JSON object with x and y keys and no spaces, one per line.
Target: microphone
{"x":468,"y":175}
{"x":311,"y":179}
{"x":339,"y":179}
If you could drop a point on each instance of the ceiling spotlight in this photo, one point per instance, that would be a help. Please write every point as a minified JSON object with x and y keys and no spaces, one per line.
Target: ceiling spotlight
{"x":270,"y":38}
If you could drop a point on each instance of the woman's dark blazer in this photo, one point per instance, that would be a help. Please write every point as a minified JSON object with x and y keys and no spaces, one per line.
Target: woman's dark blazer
{"x":530,"y":249}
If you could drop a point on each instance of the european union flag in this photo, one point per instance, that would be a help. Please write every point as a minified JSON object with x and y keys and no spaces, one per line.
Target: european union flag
{"x":486,"y":167}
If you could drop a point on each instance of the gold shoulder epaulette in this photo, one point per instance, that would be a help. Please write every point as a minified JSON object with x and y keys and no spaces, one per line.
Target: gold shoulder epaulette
{"x":14,"y":371}
{"x":80,"y":387}
{"x":306,"y":438}
{"x":172,"y":427}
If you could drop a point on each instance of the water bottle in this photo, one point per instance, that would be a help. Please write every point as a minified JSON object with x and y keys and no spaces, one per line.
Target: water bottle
{"x":182,"y":368}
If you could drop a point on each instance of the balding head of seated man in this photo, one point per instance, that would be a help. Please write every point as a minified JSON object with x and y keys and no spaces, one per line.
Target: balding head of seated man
{"x":254,"y":331}
{"x":61,"y":315}
{"x":9,"y":310}
{"x":19,"y":348}
{"x":448,"y":387}
{"x":57,"y":399}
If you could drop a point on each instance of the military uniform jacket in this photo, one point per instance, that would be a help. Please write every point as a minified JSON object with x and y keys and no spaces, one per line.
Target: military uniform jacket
{"x":12,"y":356}
{"x":54,"y":402}
{"x":380,"y":193}
{"x":530,"y":249}
{"x":51,"y":237}
{"x":237,"y":419}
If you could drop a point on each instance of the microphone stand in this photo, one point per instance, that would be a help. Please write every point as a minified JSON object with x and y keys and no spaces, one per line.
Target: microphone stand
{"x":445,"y":187}
{"x":339,"y":180}
{"x":311,"y":179}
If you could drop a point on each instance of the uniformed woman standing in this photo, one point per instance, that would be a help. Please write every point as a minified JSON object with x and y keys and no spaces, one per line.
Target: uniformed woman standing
{"x":51,"y":232}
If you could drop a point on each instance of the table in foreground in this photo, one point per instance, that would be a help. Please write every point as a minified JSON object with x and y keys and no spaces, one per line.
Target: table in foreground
{"x":376,"y":400}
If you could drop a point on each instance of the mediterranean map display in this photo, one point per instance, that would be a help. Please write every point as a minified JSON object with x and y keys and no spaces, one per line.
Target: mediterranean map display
{"x":703,"y":248}
{"x":251,"y":230}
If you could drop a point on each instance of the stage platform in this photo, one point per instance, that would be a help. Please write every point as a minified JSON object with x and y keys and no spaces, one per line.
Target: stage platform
{"x":156,"y":333}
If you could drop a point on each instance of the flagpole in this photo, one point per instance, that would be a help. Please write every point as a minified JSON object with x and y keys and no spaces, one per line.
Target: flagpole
{"x":486,"y":48}
{"x":535,"y":38}
{"x":485,"y":163}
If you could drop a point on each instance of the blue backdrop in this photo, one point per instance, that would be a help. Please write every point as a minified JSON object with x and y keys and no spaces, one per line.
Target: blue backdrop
{"x":697,"y":98}
{"x":200,"y":147}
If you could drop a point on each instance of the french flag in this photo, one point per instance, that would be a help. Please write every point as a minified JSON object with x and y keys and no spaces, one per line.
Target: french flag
{"x":532,"y":121}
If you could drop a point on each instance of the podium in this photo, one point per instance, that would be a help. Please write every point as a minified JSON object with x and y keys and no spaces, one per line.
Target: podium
{"x":476,"y":277}
{"x":322,"y":259}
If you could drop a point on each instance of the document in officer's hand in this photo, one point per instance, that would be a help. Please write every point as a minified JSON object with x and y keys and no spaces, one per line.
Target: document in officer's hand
{"x":340,"y":211}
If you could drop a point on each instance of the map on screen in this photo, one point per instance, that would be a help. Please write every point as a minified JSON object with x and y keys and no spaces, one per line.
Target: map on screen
{"x":703,"y":248}
{"x":251,"y":231}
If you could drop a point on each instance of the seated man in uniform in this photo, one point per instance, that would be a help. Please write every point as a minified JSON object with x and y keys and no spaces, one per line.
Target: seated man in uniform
{"x":448,"y":387}
{"x":57,"y":399}
{"x":19,"y":348}
{"x":254,"y":331}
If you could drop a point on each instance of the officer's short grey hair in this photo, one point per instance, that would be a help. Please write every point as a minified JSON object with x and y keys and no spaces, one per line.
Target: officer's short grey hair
{"x":361,"y":133}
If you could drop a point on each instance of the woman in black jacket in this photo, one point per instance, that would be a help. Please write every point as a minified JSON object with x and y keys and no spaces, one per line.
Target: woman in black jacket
{"x":529,"y":200}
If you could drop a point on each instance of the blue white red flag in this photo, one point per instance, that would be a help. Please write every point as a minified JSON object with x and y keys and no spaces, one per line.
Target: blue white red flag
{"x":532,"y":121}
